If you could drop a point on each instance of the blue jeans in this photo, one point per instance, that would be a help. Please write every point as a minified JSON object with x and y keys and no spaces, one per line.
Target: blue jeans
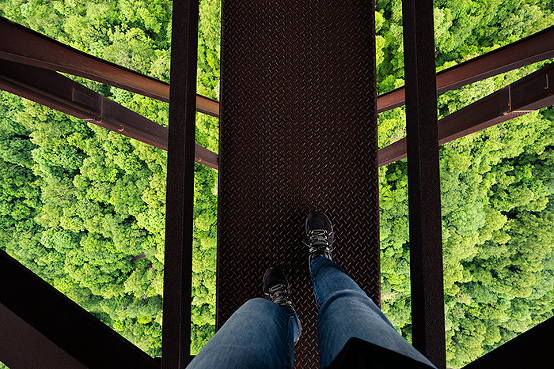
{"x":260,"y":334}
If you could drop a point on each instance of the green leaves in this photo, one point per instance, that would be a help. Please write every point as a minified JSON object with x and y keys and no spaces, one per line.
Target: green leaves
{"x":84,"y":207}
{"x":496,"y":187}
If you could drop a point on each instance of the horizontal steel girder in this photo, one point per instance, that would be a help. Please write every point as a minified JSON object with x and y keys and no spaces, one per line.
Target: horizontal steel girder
{"x":41,"y":328}
{"x":60,"y":93}
{"x":26,"y":46}
{"x":529,"y":50}
{"x":524,"y":96}
{"x":22,"y":45}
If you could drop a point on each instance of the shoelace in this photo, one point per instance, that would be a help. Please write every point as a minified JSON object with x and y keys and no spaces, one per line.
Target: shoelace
{"x":319,"y":240}
{"x":279,"y":294}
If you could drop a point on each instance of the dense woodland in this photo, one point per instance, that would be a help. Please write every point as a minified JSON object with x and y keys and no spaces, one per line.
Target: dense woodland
{"x":84,"y":208}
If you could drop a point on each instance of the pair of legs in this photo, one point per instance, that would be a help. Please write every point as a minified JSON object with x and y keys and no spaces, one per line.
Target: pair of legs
{"x":261,"y":333}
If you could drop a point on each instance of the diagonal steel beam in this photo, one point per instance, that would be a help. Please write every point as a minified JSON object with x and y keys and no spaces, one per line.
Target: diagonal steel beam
{"x":26,"y":46}
{"x":532,"y":349}
{"x":22,"y":45}
{"x":530,"y":93}
{"x":58,"y":92}
{"x":529,"y":50}
{"x":42,"y":328}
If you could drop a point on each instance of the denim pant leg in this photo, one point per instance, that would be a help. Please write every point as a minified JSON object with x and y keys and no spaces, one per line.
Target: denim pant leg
{"x":260,"y":334}
{"x":345,"y":311}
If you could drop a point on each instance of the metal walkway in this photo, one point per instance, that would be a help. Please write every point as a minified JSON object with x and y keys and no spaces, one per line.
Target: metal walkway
{"x":298,"y":132}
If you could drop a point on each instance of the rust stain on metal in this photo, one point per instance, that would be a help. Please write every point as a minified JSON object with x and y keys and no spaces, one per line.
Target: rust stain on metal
{"x":20,"y":44}
{"x":532,"y":49}
{"x":51,"y":89}
{"x":519,"y":98}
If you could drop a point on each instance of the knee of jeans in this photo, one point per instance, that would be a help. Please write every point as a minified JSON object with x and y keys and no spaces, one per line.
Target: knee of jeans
{"x":257,"y":301}
{"x":346,"y":297}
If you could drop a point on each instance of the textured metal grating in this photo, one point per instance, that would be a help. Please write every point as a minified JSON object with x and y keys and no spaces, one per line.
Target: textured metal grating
{"x":298,"y":132}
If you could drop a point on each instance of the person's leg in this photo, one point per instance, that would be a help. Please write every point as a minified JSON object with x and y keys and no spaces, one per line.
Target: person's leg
{"x":260,"y":334}
{"x":345,"y":312}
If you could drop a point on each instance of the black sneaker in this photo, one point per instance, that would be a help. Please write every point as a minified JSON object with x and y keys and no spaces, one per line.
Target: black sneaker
{"x":320,"y":235}
{"x":277,"y":289}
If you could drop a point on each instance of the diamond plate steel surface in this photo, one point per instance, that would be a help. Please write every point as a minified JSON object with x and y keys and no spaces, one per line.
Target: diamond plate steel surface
{"x":298,"y":132}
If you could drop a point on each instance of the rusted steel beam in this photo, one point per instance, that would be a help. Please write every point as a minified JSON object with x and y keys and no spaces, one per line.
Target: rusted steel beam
{"x":60,"y":93}
{"x":206,"y":157}
{"x":425,"y":223}
{"x":529,"y":50}
{"x":42,"y":328}
{"x":44,"y":52}
{"x":176,"y":332}
{"x":22,"y":45}
{"x":532,"y":349}
{"x":530,"y":93}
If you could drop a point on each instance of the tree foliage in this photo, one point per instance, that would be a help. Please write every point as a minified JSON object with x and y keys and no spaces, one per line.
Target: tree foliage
{"x":84,"y":208}
{"x":496,"y":188}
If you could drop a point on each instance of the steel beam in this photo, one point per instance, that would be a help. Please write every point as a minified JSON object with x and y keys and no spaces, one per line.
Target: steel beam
{"x":519,"y":98}
{"x":180,"y":187}
{"x":60,"y":93}
{"x":532,"y":349}
{"x":22,"y":45}
{"x":29,"y":47}
{"x":426,"y":271}
{"x":51,"y":331}
{"x":529,"y":50}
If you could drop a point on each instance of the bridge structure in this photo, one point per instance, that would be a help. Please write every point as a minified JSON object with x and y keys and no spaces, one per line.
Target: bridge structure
{"x":298,"y":131}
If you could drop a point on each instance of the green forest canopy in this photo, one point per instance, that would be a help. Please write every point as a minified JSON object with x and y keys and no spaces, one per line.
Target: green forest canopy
{"x":84,"y":207}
